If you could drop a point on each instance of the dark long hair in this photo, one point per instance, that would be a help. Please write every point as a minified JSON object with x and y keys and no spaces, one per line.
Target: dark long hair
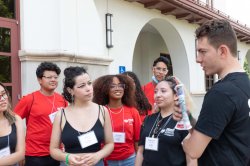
{"x":142,"y":103}
{"x":102,"y":86}
{"x":70,"y":74}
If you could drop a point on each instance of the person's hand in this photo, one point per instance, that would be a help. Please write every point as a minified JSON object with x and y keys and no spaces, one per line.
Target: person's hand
{"x":177,"y":115}
{"x":90,"y":159}
{"x":75,"y":160}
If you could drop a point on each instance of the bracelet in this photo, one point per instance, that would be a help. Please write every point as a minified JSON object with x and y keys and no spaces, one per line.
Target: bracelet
{"x":67,"y":159}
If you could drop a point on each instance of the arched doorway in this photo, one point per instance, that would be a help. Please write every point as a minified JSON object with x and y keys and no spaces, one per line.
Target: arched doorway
{"x":158,"y":37}
{"x":9,"y":46}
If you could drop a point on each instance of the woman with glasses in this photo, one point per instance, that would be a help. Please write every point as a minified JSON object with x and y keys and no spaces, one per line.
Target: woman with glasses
{"x":116,"y":92}
{"x":160,"y":143}
{"x":12,"y":144}
{"x":83,"y":126}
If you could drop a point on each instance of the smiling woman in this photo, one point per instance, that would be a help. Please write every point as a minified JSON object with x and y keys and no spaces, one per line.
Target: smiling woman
{"x":117,"y":93}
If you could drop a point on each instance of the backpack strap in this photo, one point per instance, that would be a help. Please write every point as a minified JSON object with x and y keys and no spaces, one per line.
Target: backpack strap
{"x":31,"y":104}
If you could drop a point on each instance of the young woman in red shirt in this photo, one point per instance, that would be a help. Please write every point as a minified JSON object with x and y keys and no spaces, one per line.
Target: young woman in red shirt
{"x":116,"y":92}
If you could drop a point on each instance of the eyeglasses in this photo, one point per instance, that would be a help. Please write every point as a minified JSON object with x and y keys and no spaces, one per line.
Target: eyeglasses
{"x":158,"y":69}
{"x":4,"y":96}
{"x":51,"y":77}
{"x":117,"y":86}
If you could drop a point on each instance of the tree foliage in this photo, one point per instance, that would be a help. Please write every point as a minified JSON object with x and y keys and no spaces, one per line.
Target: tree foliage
{"x":246,"y":67}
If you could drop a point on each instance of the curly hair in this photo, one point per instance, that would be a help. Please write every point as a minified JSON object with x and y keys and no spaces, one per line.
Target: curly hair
{"x":8,"y":114}
{"x":47,"y":66}
{"x":102,"y":87}
{"x":70,"y":74}
{"x":142,"y":102}
{"x":218,"y":32}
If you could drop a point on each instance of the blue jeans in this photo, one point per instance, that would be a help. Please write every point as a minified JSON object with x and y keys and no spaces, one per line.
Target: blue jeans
{"x":130,"y":161}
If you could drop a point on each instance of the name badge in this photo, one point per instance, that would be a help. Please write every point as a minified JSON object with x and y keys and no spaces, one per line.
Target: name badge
{"x":5,"y":152}
{"x":87,"y":139}
{"x":151,"y":143}
{"x":52,"y":116}
{"x":119,"y":137}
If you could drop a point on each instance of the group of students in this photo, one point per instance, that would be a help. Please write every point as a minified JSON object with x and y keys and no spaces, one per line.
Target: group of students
{"x":115,"y":121}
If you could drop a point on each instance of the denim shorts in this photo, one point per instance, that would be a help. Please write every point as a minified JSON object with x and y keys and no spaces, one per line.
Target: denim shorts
{"x":130,"y":161}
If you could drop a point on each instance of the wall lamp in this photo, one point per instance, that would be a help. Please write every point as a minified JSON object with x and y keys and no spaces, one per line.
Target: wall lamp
{"x":109,"y":30}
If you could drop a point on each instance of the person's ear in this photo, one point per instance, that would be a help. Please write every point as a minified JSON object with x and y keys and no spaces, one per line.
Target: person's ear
{"x":39,"y":80}
{"x":70,"y":91}
{"x":223,"y":51}
{"x":176,"y":97}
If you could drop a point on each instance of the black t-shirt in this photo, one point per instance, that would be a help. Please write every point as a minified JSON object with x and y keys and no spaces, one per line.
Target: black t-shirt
{"x":225,"y":118}
{"x":170,"y":151}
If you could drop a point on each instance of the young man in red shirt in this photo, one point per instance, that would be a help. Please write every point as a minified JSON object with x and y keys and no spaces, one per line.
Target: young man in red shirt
{"x":39,"y":109}
{"x":160,"y":70}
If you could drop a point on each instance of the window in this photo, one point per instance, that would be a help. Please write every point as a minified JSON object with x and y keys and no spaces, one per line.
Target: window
{"x":209,"y":81}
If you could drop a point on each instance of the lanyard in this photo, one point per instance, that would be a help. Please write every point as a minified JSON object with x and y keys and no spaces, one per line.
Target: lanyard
{"x":111,"y":118}
{"x":156,"y":122}
{"x":52,"y":103}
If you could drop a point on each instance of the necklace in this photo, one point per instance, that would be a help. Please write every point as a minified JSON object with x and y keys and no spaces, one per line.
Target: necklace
{"x":115,"y":112}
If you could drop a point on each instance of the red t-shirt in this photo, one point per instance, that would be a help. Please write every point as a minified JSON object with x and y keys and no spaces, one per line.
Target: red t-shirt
{"x":148,"y":90}
{"x":36,"y":108}
{"x":131,"y":123}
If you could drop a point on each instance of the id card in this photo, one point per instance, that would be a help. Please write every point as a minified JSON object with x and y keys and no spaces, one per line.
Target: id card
{"x":151,"y":143}
{"x":119,"y":137}
{"x":5,"y":152}
{"x":87,"y":139}
{"x":52,"y":116}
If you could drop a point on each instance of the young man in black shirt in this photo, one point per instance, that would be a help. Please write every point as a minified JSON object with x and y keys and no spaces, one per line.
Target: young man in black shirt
{"x":221,"y":135}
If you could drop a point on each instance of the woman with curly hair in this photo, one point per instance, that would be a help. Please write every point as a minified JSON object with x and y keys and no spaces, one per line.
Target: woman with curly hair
{"x":12,"y":144}
{"x":142,"y":103}
{"x":116,"y":92}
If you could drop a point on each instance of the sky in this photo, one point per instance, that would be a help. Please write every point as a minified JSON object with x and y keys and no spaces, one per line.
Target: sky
{"x":239,"y":10}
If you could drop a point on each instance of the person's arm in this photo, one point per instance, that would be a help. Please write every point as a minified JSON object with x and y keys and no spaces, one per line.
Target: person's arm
{"x":55,"y":142}
{"x":195,"y":144}
{"x":190,"y":161}
{"x":139,"y":156}
{"x":18,"y":155}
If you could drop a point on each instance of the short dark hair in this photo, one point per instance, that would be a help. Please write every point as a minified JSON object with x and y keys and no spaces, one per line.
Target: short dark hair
{"x":218,"y":32}
{"x":70,"y":74}
{"x":47,"y":66}
{"x":161,"y":59}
